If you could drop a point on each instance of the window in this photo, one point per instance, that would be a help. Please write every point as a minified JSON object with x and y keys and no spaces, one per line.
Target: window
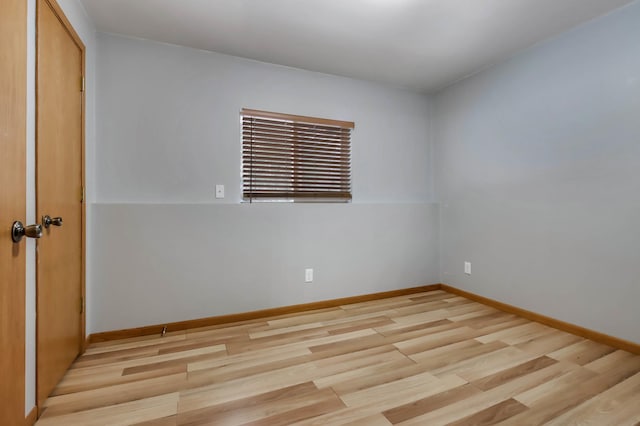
{"x":295,"y":158}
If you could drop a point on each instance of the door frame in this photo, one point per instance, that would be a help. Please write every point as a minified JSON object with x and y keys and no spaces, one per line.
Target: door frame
{"x":59,"y":13}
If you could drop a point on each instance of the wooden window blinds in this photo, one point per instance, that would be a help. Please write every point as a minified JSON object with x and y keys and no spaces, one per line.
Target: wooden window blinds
{"x":295,"y":158}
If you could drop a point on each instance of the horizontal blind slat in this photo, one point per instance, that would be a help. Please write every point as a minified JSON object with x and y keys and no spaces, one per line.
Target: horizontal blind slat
{"x":274,"y":141}
{"x":297,"y":182}
{"x":298,"y":178}
{"x":345,"y":196}
{"x":280,"y":124}
{"x":266,"y":167}
{"x":287,"y":153}
{"x":307,"y":176}
{"x":282,"y":187}
{"x":292,"y":145}
{"x":284,"y":160}
{"x":287,"y":131}
{"x":305,"y":189}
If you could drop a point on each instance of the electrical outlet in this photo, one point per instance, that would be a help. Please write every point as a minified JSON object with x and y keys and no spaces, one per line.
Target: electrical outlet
{"x":219,"y":191}
{"x":467,"y":268}
{"x":308,"y":275}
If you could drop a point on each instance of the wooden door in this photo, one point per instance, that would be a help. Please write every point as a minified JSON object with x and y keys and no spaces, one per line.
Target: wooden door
{"x":59,"y":182}
{"x":13,"y":96}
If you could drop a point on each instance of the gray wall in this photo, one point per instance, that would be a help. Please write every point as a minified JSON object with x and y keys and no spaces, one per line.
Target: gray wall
{"x":157,"y":263}
{"x":170,"y":119}
{"x":164,"y":249}
{"x":538,"y":176}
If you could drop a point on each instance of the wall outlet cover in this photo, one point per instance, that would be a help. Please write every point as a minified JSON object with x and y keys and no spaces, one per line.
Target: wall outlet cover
{"x":219,"y":191}
{"x":467,"y":268}
{"x":308,"y":275}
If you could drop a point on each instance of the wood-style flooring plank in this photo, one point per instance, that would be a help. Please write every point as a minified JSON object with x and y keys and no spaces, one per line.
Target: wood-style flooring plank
{"x":119,"y":414}
{"x":431,"y":358}
{"x":360,"y":407}
{"x":617,"y":405}
{"x":117,"y":394}
{"x":483,"y":400}
{"x":492,"y":415}
{"x":422,"y":406}
{"x":582,"y":352}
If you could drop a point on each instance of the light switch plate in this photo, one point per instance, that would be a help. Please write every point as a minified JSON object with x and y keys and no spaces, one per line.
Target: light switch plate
{"x":219,"y":191}
{"x":467,"y":268}
{"x":308,"y":275}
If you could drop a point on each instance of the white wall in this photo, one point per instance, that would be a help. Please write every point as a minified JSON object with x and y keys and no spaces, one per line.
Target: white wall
{"x":538,"y":171}
{"x":85,"y":29}
{"x":169,"y":130}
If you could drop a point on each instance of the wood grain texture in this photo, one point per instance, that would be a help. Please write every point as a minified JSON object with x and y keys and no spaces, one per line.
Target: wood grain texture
{"x":59,"y":179}
{"x":13,"y":107}
{"x":31,"y":418}
{"x":551,"y":322}
{"x":420,"y":358}
{"x":480,"y":316}
{"x":246,"y":316}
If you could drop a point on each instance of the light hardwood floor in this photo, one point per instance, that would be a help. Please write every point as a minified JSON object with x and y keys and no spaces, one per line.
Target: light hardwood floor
{"x":424,"y":359}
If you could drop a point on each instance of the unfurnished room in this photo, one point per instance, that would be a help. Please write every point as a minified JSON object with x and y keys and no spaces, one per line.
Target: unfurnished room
{"x":319,"y":212}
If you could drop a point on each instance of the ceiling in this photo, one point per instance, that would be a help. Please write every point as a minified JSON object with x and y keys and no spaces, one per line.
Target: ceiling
{"x":419,"y":44}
